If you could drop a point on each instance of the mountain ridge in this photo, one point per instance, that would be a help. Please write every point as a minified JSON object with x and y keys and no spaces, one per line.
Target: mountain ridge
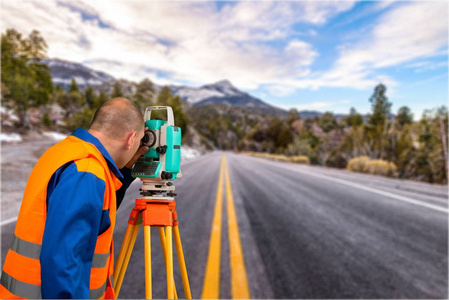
{"x":221,"y":92}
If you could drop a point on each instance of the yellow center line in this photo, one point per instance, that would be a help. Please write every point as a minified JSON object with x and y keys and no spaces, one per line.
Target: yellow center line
{"x":211,"y":286}
{"x":239,"y":280}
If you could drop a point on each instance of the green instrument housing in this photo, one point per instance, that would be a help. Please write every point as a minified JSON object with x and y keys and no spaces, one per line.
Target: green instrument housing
{"x":153,"y":125}
{"x":173,"y":155}
{"x":150,"y":165}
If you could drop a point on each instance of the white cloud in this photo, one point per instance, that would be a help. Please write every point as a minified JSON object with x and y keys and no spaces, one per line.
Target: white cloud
{"x":185,"y":41}
{"x":198,"y":43}
{"x":403,"y":34}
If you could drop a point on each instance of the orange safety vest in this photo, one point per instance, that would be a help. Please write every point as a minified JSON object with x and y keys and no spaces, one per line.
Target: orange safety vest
{"x":21,"y":276}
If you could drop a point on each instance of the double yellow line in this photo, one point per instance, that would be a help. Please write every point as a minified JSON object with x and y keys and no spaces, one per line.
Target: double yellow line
{"x":239,"y":281}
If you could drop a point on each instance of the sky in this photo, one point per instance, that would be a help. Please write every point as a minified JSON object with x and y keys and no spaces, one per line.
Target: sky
{"x":309,"y":55}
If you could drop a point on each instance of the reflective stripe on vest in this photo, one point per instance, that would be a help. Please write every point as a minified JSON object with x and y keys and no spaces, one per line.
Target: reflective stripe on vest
{"x":20,"y":288}
{"x":97,"y":293}
{"x":25,"y":248}
{"x":32,"y":291}
{"x":33,"y":250}
{"x":21,"y":271}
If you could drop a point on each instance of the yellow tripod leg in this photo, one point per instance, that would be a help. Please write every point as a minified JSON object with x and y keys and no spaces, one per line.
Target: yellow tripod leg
{"x":182,"y":263}
{"x":164,"y":251}
{"x":129,"y":249}
{"x":169,"y":243}
{"x":148,"y":279}
{"x":121,"y":255}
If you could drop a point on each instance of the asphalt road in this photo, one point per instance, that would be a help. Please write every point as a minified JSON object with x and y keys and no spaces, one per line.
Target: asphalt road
{"x":306,"y":232}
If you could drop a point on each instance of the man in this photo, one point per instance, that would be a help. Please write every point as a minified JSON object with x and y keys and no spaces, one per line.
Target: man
{"x":62,"y":246}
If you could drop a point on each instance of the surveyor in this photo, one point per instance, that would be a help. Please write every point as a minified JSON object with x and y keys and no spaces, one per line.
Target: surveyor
{"x":62,"y":245}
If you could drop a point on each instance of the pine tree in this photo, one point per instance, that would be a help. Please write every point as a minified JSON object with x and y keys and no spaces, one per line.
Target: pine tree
{"x":354,"y":119}
{"x":73,"y":86}
{"x":144,"y":94}
{"x":404,"y":116}
{"x":166,"y":98}
{"x":90,"y":98}
{"x":35,"y":46}
{"x":377,"y":125}
{"x":102,"y":98}
{"x":25,"y":83}
{"x":328,"y":122}
{"x":117,"y":90}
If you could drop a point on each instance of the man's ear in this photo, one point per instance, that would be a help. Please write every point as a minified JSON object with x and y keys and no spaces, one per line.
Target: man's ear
{"x":130,"y":137}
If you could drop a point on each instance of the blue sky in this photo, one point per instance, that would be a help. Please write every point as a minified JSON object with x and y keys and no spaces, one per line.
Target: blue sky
{"x":314,"y":55}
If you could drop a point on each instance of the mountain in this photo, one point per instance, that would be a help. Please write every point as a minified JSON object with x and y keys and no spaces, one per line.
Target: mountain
{"x":220,"y":92}
{"x":63,"y":71}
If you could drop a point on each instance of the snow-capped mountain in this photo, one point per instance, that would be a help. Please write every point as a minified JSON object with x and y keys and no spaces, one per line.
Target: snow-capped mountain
{"x":222,"y":92}
{"x":63,"y":71}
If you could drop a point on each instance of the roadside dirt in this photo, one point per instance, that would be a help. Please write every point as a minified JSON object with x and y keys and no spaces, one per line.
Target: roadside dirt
{"x":17,"y":161}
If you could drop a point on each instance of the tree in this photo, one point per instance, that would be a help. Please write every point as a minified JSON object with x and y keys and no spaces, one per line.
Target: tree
{"x":166,"y":98}
{"x":380,"y":106}
{"x":73,"y":101}
{"x":35,"y":46}
{"x":81,"y":119}
{"x":354,"y":119}
{"x":293,"y":115}
{"x":73,"y":86}
{"x":26,"y":83}
{"x":431,"y":156}
{"x":117,"y":90}
{"x":90,"y":98}
{"x":404,"y":116}
{"x":328,"y":122}
{"x":378,"y":121}
{"x":144,"y":94}
{"x":102,"y":98}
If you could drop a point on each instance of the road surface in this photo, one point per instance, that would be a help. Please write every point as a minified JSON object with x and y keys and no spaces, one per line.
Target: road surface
{"x":305,"y":232}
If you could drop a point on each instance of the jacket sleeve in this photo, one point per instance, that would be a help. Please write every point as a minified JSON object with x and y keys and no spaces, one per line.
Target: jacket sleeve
{"x":74,"y":213}
{"x":126,"y":182}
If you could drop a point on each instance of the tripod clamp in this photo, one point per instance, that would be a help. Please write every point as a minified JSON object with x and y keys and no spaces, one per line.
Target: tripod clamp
{"x":152,"y":212}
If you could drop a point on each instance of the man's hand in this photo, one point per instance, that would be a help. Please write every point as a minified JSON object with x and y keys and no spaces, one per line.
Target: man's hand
{"x":136,"y":156}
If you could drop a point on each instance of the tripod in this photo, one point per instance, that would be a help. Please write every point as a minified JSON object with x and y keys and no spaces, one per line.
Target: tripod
{"x":160,"y":213}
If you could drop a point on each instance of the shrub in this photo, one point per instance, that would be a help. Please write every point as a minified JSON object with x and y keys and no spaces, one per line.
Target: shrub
{"x":364,"y":164}
{"x":381,"y":167}
{"x":300,"y":159}
{"x":357,"y":164}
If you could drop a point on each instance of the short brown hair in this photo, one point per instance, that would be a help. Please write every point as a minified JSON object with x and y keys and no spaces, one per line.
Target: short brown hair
{"x":116,"y":117}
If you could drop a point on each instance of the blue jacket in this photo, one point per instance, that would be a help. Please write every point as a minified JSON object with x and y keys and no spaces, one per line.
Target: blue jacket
{"x":81,"y":195}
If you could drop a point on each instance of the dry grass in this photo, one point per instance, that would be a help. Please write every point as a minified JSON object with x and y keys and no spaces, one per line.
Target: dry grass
{"x":364,"y":164}
{"x":299,"y":159}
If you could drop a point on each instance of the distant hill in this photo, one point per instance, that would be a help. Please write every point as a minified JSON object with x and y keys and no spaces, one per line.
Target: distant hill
{"x":63,"y":71}
{"x":219,"y":93}
{"x":223,"y":92}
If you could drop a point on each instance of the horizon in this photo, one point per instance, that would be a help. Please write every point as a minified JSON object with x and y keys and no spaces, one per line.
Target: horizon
{"x":316,"y":56}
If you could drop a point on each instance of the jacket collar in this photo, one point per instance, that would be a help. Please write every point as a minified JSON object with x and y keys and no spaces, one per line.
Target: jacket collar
{"x":89,"y":138}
